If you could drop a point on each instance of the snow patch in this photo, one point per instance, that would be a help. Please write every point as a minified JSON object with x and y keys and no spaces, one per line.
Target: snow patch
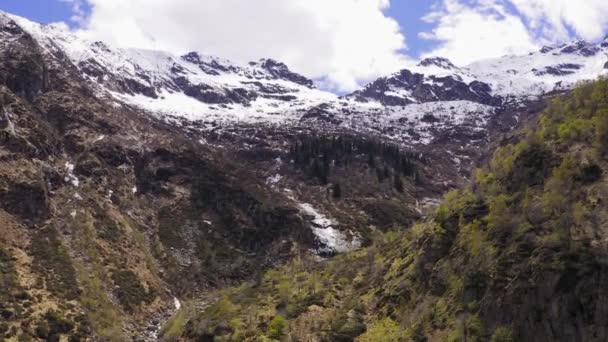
{"x":273,"y":180}
{"x":330,"y":239}
{"x":70,"y":177}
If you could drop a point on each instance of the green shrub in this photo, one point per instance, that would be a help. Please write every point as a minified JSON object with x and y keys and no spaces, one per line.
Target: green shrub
{"x":277,"y":327}
{"x":502,"y":334}
{"x":130,"y":291}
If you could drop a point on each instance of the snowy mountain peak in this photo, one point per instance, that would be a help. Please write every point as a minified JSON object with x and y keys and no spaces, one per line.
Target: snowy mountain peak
{"x":205,"y":91}
{"x":281,"y":71}
{"x":580,"y":47}
{"x":440,"y":62}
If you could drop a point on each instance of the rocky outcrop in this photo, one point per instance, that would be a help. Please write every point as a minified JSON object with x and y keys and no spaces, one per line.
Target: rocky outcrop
{"x":582,"y":48}
{"x":440,"y":62}
{"x":29,"y":202}
{"x":20,"y":63}
{"x":280,"y":71}
{"x":407,"y":87}
{"x":558,"y":70}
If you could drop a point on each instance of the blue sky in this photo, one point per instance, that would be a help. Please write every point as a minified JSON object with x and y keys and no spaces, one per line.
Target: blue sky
{"x":409,"y":13}
{"x":44,"y":11}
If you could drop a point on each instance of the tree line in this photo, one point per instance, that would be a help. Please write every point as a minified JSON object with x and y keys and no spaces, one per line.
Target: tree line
{"x":318,"y":155}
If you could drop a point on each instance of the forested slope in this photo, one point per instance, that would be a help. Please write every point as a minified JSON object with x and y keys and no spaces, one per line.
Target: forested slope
{"x":519,"y":255}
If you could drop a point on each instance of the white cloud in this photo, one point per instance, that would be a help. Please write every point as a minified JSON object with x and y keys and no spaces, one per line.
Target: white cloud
{"x":343,"y":42}
{"x":78,"y":13}
{"x":467,"y":33}
{"x":469,"y":30}
{"x":552,"y":18}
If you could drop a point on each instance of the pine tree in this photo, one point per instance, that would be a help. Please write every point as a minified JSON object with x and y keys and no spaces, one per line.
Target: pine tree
{"x":371,"y":160}
{"x":398,"y":183}
{"x":417,"y":178}
{"x":379,"y":174}
{"x":337,"y":190}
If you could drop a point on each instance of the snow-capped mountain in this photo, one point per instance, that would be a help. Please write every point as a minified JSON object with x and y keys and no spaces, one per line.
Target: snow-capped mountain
{"x":193,"y":85}
{"x":411,"y":106}
{"x":493,"y":81}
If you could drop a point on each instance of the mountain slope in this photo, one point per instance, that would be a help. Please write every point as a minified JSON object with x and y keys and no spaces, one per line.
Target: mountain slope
{"x":203,"y":92}
{"x":131,"y":180}
{"x":436,"y":106}
{"x":109,"y":216}
{"x":520,"y":255}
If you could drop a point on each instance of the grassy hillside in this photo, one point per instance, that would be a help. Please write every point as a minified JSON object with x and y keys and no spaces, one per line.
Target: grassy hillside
{"x":520,"y":255}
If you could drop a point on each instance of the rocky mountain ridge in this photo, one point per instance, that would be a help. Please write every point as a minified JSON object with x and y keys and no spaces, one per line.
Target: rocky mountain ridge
{"x":213,"y":91}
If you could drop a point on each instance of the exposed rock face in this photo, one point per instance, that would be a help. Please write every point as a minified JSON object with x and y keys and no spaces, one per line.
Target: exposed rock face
{"x":438,"y":62}
{"x":559,"y":70}
{"x":29,"y":202}
{"x":20,"y":65}
{"x":406,"y":87}
{"x":581,"y":47}
{"x":280,"y":71}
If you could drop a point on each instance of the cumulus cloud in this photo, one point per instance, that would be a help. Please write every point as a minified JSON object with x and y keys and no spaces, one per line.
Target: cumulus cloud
{"x":554,"y":19}
{"x":78,"y":13}
{"x":469,"y":30}
{"x":341,"y":43}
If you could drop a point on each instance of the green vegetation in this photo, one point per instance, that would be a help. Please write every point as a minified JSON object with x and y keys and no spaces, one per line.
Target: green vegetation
{"x":482,"y":268}
{"x":10,"y":300}
{"x":277,"y":327}
{"x":103,"y":317}
{"x":8,"y":275}
{"x":53,"y":262}
{"x":129,"y":290}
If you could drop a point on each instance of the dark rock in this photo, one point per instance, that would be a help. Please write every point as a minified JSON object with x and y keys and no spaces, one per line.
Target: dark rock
{"x":207,"y":94}
{"x":27,"y":201}
{"x":591,"y":174}
{"x":448,"y":88}
{"x":22,"y":68}
{"x":439,"y":62}
{"x":92,"y":68}
{"x":320,"y":113}
{"x":210,"y":66}
{"x":430,"y":118}
{"x":101,"y":46}
{"x":558,"y":70}
{"x":284,"y":98}
{"x":273,"y":89}
{"x":7,"y":314}
{"x":133,"y":86}
{"x":581,"y":47}
{"x":281,"y":71}
{"x":546,"y":49}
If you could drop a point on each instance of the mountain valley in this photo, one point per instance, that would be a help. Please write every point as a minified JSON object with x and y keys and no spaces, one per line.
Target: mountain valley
{"x":151,"y":196}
